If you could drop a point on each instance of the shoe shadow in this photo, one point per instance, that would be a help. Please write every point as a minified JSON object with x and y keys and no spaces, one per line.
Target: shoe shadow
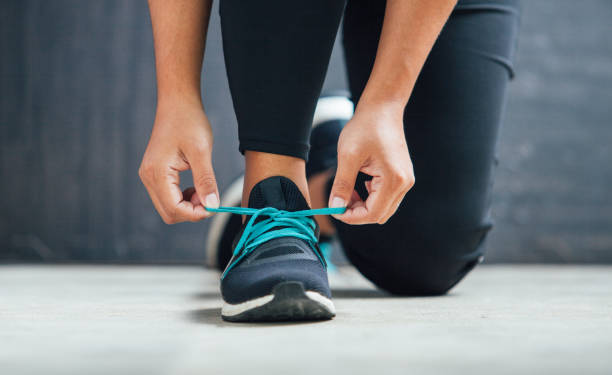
{"x":343,"y":293}
{"x":378,"y":293}
{"x":359,"y":293}
{"x":212,"y":316}
{"x":207,"y":295}
{"x":336,"y":293}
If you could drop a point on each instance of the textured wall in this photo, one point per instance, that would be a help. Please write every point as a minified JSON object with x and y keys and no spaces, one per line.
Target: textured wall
{"x":553,"y":198}
{"x":77,"y":100}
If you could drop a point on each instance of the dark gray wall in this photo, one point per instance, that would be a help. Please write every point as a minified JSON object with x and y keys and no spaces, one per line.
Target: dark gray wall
{"x":553,"y":198}
{"x":77,"y":101}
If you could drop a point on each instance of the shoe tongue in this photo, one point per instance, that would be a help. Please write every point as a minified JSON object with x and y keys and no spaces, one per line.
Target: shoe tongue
{"x":278,"y":192}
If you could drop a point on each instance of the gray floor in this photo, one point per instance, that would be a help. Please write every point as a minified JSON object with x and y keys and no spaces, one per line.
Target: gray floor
{"x":165,"y":320}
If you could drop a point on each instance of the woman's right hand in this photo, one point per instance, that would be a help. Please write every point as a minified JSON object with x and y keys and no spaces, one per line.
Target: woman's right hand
{"x":181,"y":139}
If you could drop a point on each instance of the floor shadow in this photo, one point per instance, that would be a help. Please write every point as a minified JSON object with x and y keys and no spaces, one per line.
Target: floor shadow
{"x":336,"y":293}
{"x":378,"y":293}
{"x":207,"y":295}
{"x":359,"y":293}
{"x":212,"y":316}
{"x":344,"y":293}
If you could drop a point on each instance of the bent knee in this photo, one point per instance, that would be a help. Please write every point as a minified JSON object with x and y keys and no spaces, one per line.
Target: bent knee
{"x":416,"y":273}
{"x":421,"y":261}
{"x":425,"y":279}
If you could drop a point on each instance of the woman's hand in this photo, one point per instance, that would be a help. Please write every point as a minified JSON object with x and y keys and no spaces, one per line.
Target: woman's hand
{"x":372,"y":142}
{"x":181,"y":139}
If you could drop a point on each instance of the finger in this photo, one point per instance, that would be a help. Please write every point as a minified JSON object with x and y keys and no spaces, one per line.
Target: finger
{"x":189,"y":194}
{"x":381,"y":201}
{"x":174,"y":208}
{"x":148,"y":177}
{"x":355,"y":210}
{"x":378,"y":207}
{"x":373,"y":209}
{"x":155,"y":200}
{"x":342,"y":190}
{"x":203,"y":176}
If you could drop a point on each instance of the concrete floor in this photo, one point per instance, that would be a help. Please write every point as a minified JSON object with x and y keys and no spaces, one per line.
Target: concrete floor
{"x":165,"y":320}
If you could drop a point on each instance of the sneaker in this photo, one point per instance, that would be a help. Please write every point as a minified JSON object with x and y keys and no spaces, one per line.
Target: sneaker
{"x":332,"y":112}
{"x":277,"y":271}
{"x":224,"y":227}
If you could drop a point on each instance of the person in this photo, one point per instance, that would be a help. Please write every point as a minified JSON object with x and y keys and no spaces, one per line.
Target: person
{"x":426,"y":76}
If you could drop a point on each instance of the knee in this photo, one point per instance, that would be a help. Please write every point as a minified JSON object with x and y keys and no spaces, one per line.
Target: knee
{"x":421,"y":266}
{"x":414,"y":256}
{"x":431,"y":277}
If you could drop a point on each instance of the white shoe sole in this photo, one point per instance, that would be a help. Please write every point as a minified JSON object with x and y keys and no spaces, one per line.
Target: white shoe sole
{"x":288,"y":302}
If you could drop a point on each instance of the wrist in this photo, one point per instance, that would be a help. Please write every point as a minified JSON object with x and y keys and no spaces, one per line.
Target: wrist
{"x":387,"y":92}
{"x":393,"y":109}
{"x":179,"y":100}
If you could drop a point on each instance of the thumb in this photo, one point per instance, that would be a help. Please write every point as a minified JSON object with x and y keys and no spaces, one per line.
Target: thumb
{"x":204,"y":178}
{"x":344,"y":182}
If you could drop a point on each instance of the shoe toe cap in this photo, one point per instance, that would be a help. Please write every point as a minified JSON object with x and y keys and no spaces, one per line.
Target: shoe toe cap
{"x":246,"y":283}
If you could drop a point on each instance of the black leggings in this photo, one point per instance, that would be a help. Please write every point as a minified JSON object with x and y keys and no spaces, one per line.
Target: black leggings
{"x":277,"y":53}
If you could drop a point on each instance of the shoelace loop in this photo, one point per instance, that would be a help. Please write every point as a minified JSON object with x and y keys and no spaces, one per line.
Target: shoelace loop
{"x":279,"y":223}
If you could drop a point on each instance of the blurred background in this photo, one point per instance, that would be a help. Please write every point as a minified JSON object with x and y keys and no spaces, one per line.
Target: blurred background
{"x":77,"y":102}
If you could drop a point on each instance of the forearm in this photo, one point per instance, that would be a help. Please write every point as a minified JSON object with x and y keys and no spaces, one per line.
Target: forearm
{"x":179,"y":33}
{"x":409,"y":31}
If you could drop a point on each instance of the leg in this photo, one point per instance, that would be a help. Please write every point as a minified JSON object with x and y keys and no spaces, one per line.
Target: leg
{"x":276,"y":54}
{"x":451,"y":124}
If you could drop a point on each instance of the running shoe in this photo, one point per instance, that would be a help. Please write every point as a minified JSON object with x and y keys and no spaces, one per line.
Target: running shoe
{"x":224,"y":228}
{"x":277,"y":271}
{"x":332,"y":112}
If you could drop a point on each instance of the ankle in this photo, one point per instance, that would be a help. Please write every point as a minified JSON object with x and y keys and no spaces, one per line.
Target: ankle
{"x":261,"y":165}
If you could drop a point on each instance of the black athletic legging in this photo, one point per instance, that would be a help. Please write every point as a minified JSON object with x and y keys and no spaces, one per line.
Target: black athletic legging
{"x":277,"y":53}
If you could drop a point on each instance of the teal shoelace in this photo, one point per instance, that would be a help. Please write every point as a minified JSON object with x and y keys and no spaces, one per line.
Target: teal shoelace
{"x":279,"y":223}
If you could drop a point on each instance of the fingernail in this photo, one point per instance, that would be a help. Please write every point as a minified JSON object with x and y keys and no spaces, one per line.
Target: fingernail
{"x":337,"y":202}
{"x":211,"y":201}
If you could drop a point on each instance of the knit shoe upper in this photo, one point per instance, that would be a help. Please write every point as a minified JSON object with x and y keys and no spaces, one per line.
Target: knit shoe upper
{"x":291,"y":253}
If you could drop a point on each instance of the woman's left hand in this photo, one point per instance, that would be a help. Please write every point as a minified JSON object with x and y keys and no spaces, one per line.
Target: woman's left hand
{"x":372,"y":142}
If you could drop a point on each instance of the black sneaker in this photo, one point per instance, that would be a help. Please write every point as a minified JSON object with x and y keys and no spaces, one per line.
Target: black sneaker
{"x":277,"y":272}
{"x":332,"y":112}
{"x":224,"y":227}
